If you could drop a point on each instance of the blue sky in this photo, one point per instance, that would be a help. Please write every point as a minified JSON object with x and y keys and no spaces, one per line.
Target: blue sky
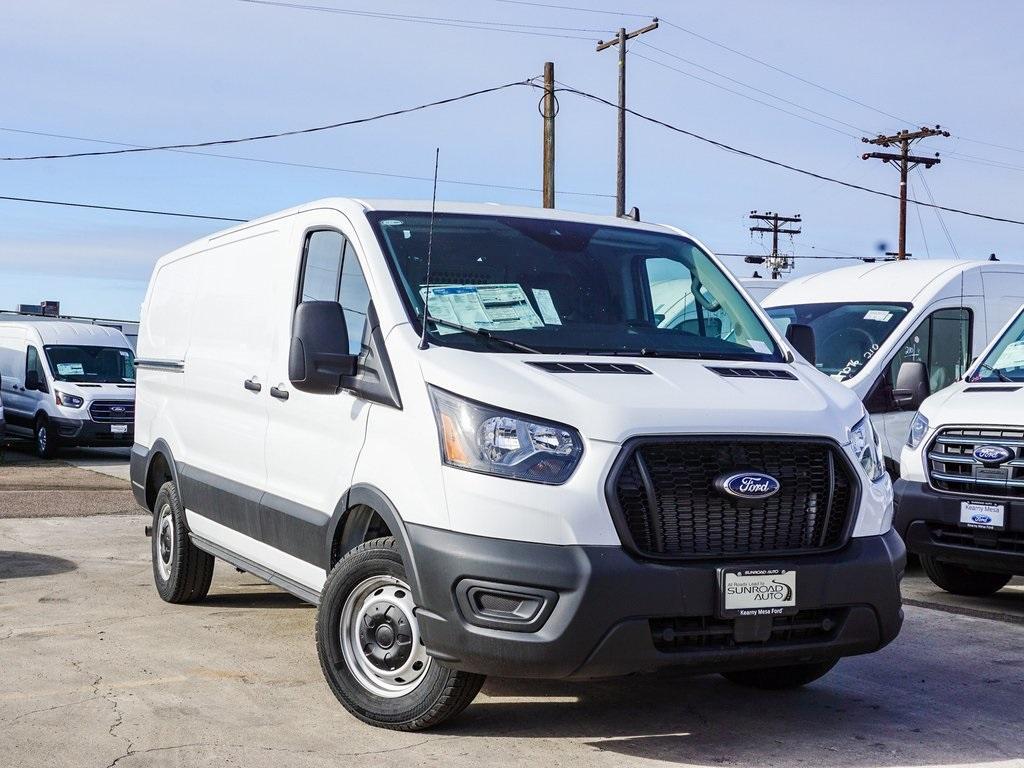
{"x":162,"y":71}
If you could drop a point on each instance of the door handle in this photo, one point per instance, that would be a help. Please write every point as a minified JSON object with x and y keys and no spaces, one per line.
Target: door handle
{"x":280,"y":394}
{"x":252,"y":385}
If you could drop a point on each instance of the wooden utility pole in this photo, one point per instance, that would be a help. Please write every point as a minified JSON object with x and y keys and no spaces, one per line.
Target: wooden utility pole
{"x":620,"y":167}
{"x":905,"y":162}
{"x":549,"y":135}
{"x":776,"y":225}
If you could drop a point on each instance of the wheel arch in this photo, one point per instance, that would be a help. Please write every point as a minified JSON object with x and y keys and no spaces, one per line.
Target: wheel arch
{"x":363,"y":496}
{"x":158,"y":463}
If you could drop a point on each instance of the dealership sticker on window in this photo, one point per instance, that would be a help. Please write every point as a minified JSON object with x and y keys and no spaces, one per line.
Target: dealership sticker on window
{"x":70,"y":369}
{"x":499,"y":307}
{"x":759,"y":346}
{"x":879,"y":315}
{"x":1012,"y":356}
{"x":546,"y":305}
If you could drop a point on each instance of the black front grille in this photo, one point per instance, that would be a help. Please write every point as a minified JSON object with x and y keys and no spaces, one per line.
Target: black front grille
{"x":667,"y":506}
{"x":113,"y":411}
{"x":998,"y":541}
{"x":953,"y":468}
{"x":694,"y":633}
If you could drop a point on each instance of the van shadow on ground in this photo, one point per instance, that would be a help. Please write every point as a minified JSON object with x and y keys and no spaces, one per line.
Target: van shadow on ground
{"x":25,"y":565}
{"x":706,"y":720}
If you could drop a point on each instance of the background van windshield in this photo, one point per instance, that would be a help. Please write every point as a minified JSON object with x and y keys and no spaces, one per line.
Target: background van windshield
{"x":1005,"y":362}
{"x":566,"y":287}
{"x":92,"y":365}
{"x":846,"y":336}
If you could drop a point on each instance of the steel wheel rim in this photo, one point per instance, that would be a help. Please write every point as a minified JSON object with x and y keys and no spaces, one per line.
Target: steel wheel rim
{"x":380,"y":609}
{"x":164,"y":542}
{"x":41,"y":437}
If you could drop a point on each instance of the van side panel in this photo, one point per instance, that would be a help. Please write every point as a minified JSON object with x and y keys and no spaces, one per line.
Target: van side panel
{"x":1004,"y":292}
{"x":12,"y":376}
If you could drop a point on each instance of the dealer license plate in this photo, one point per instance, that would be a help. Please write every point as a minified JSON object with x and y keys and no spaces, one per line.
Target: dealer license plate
{"x":756,"y":592}
{"x":119,"y":429}
{"x":975,"y":514}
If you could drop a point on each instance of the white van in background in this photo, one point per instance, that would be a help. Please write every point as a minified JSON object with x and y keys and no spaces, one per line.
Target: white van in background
{"x":553,"y":457}
{"x":960,"y":497}
{"x":67,"y":384}
{"x":760,"y":288}
{"x":869,"y":320}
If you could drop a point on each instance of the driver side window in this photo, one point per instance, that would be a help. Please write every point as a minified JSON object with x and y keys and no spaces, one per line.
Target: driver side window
{"x":34,"y":365}
{"x":943,"y":343}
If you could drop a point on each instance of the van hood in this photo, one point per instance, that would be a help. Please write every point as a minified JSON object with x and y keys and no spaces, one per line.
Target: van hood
{"x":976,"y":403}
{"x":675,"y":397}
{"x":97,"y":391}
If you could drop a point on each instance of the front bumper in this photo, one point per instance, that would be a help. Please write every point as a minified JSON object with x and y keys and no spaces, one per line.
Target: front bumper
{"x":609,"y":614}
{"x":88,"y":433}
{"x":929,"y":522}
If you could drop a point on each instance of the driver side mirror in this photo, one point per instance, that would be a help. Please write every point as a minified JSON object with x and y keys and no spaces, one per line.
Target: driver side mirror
{"x":912,"y":387}
{"x":802,"y":339}
{"x":32,"y":382}
{"x":319,"y":360}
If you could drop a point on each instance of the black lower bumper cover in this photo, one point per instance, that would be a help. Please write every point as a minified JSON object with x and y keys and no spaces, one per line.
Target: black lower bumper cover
{"x":923,"y":513}
{"x":86,"y":432}
{"x":600,"y":625}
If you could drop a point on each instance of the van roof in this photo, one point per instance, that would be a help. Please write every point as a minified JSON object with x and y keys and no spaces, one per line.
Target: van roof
{"x":893,"y":281}
{"x":64,"y":332}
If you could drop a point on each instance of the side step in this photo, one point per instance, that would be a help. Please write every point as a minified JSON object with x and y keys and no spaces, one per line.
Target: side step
{"x":300,"y":591}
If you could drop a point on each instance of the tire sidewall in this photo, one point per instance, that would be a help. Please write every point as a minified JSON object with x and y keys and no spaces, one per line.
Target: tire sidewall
{"x":168,"y":496}
{"x":351,"y":571}
{"x":43,"y":428}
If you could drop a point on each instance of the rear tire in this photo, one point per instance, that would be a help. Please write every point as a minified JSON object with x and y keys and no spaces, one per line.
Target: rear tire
{"x":181,"y":571}
{"x":370,"y":650}
{"x":781,"y":678}
{"x":963,"y":581}
{"x":46,"y":439}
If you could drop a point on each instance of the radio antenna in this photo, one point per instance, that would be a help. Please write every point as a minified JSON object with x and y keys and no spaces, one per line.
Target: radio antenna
{"x":430,"y":249}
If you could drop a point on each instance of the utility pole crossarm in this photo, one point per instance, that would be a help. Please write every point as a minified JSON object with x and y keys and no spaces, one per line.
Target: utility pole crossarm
{"x":602,"y":44}
{"x":775,"y":226}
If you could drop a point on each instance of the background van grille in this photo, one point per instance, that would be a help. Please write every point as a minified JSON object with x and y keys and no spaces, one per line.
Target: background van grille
{"x":113,"y":411}
{"x":667,"y":505}
{"x":952,"y":466}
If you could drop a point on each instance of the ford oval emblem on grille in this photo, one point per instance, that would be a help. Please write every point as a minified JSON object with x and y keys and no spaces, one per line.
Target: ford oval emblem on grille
{"x":118,"y":409}
{"x":748,"y":485}
{"x":992,"y":454}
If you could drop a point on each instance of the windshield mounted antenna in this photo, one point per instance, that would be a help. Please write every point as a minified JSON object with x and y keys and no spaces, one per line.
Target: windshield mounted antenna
{"x":430,"y":248}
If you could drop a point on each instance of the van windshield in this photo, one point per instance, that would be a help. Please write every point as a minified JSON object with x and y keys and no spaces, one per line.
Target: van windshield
{"x":568,"y":288}
{"x":846,"y":336}
{"x":92,"y":365}
{"x":1005,"y":361}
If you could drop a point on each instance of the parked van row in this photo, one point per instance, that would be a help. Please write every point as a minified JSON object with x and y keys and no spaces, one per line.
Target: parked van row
{"x":961,"y":494}
{"x":488,"y":440}
{"x":66,"y":384}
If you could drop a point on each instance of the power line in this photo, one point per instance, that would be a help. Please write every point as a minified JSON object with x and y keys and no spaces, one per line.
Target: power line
{"x":311,"y":166}
{"x":938,"y":215}
{"x":787,"y":166}
{"x":438,"y":21}
{"x":119,"y":208}
{"x":576,"y":8}
{"x":262,"y":137}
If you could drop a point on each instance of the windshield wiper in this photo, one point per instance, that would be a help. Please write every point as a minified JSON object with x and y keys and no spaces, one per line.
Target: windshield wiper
{"x":484,"y":334}
{"x":997,"y":371}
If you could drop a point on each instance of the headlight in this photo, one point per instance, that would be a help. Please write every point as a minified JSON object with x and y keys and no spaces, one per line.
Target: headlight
{"x":868,"y":448}
{"x":68,"y":401}
{"x":484,"y":439}
{"x":918,"y":429}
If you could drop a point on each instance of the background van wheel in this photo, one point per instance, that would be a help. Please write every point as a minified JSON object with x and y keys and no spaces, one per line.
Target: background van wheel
{"x":780,"y":678}
{"x":182,"y":572}
{"x":46,"y":439}
{"x":963,"y":581}
{"x":370,"y":649}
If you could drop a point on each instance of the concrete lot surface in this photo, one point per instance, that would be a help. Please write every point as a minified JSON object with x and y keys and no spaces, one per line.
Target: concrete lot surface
{"x":97,"y":671}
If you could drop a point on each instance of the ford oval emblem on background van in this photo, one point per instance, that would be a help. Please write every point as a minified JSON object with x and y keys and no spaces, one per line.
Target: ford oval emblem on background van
{"x":992,"y":454}
{"x":748,"y":485}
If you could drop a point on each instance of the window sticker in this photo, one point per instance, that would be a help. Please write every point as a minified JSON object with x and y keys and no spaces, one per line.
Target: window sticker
{"x":70,"y":369}
{"x":493,"y":307}
{"x":879,"y":315}
{"x":1012,"y":356}
{"x":546,"y":305}
{"x":759,"y":346}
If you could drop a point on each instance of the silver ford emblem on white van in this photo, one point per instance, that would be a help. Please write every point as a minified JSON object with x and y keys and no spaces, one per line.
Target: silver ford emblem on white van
{"x":992,"y":454}
{"x":748,"y":485}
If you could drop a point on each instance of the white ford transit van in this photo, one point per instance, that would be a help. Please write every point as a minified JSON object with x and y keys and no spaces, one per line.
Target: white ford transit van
{"x":870,"y":319}
{"x":557,"y":477}
{"x":67,"y":384}
{"x":960,"y":499}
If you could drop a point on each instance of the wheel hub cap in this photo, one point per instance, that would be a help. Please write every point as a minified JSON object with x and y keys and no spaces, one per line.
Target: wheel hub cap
{"x":165,"y":542}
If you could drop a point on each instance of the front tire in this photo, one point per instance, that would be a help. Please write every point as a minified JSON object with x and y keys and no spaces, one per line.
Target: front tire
{"x":181,"y":571}
{"x":367,"y":637}
{"x":781,"y":678}
{"x":46,"y":439}
{"x":963,"y":581}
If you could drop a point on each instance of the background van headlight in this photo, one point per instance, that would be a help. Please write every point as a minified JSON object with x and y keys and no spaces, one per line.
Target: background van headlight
{"x":918,"y":429}
{"x":68,"y":401}
{"x":480,"y":438}
{"x":868,"y":448}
